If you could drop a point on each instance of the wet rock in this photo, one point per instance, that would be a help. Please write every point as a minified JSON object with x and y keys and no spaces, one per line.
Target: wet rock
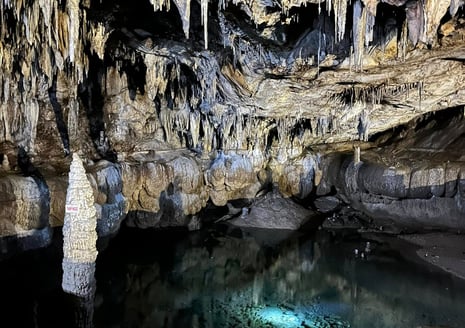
{"x":195,"y":223}
{"x":417,"y":187}
{"x":382,"y":180}
{"x":164,"y":192}
{"x":22,"y":241}
{"x":255,"y":92}
{"x":297,"y":177}
{"x":327,"y":204}
{"x":231,"y":177}
{"x":111,"y":205}
{"x":27,"y":215}
{"x":443,"y":250}
{"x":426,"y":182}
{"x":274,"y":212}
{"x":20,"y":209}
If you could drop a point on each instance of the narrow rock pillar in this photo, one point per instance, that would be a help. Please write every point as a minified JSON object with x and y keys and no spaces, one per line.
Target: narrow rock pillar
{"x":357,"y":154}
{"x":79,"y":234}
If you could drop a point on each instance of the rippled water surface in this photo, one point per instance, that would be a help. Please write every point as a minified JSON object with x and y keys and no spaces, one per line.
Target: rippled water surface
{"x":235,"y":279}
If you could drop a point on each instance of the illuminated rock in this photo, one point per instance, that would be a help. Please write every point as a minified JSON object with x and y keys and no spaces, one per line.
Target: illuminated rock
{"x":79,"y":234}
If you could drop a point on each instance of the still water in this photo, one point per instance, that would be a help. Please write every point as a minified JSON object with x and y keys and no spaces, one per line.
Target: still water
{"x":233,"y":278}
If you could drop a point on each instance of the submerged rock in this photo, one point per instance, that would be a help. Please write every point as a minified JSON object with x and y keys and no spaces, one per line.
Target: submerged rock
{"x":443,"y":250}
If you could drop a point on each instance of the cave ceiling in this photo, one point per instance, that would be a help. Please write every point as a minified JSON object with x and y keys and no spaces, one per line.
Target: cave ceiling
{"x":115,"y":76}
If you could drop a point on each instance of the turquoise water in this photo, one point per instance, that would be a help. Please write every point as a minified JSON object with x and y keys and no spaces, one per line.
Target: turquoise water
{"x":231,"y":278}
{"x":271,"y":279}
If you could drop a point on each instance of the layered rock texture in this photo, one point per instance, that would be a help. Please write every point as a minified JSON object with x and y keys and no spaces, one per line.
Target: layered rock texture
{"x":79,"y":233}
{"x":176,"y":105}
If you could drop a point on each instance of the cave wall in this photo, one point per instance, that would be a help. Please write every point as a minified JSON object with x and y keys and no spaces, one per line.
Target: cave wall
{"x":227,"y":75}
{"x":202,"y":101}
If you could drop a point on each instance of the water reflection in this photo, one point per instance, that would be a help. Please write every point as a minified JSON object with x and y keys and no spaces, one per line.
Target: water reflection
{"x":264,"y":279}
{"x":219,"y":279}
{"x":83,"y":310}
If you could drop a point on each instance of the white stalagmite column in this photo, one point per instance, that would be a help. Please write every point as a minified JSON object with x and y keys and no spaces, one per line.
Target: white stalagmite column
{"x":79,"y":234}
{"x":357,"y":154}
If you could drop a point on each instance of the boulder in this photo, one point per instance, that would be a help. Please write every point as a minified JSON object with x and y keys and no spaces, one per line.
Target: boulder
{"x":274,"y":212}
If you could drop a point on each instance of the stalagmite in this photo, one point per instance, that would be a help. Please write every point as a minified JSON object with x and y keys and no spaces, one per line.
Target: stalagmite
{"x":356,"y":154}
{"x":6,"y":163}
{"x":79,"y":234}
{"x":363,"y":126}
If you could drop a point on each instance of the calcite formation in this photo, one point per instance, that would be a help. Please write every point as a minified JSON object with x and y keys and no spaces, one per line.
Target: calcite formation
{"x":192,"y":102}
{"x":79,"y":233}
{"x":230,"y":176}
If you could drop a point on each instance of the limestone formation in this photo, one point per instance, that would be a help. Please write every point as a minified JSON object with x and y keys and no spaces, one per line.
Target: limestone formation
{"x":79,"y":233}
{"x":231,"y":177}
{"x":181,"y":105}
{"x":405,"y":184}
{"x":274,"y":212}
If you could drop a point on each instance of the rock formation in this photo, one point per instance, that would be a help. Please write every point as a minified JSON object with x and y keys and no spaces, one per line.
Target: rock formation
{"x":79,"y":233}
{"x":274,"y":212}
{"x":183,"y":104}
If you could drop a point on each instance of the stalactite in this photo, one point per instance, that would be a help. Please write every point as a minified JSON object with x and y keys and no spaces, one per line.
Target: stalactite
{"x":370,"y":23}
{"x":208,"y":135}
{"x":434,"y":11}
{"x":454,"y":6}
{"x":239,"y":131}
{"x":194,"y":127}
{"x":184,"y":8}
{"x":340,"y":16}
{"x":98,"y":37}
{"x":358,"y":33}
{"x":160,"y":4}
{"x":204,"y":21}
{"x":420,"y":93}
{"x":72,"y":7}
{"x":363,"y":126}
{"x":322,"y":126}
{"x":37,"y":39}
{"x":403,"y":42}
{"x":415,"y":21}
{"x":166,"y":123}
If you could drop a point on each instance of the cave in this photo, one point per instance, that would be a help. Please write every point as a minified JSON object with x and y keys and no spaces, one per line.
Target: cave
{"x":233,"y":163}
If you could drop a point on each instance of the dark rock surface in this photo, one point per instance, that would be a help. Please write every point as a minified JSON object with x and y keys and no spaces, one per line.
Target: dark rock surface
{"x":443,"y":250}
{"x":182,"y":107}
{"x":274,"y":212}
{"x":414,"y":182}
